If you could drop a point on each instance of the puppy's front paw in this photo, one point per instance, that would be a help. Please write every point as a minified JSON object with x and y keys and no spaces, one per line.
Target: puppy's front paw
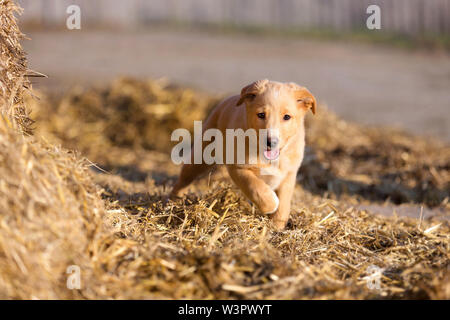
{"x":271,"y":204}
{"x":279,"y":225}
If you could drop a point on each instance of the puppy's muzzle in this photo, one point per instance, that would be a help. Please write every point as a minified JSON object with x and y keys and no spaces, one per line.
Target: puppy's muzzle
{"x":272,"y":150}
{"x":272,"y":143}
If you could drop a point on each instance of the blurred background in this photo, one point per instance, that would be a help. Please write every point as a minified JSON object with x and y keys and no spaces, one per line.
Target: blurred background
{"x":396,"y":76}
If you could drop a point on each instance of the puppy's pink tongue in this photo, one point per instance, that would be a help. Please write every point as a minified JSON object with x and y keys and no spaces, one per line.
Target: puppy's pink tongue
{"x":271,"y":154}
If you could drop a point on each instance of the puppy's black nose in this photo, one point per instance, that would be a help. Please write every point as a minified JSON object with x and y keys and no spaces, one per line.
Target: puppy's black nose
{"x":272,"y":142}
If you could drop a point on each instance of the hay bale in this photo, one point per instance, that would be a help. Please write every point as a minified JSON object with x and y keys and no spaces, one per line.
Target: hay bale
{"x":49,"y":215}
{"x":13,"y":68}
{"x":49,"y":208}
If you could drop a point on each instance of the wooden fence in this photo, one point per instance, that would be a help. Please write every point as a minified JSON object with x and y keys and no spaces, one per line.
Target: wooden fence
{"x":397,"y":16}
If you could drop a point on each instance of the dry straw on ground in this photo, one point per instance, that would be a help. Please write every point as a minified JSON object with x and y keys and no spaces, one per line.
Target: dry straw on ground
{"x":210,"y":244}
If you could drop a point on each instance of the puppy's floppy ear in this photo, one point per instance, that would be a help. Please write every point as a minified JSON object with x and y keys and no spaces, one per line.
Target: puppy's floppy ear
{"x":251,"y":90}
{"x":304,"y":97}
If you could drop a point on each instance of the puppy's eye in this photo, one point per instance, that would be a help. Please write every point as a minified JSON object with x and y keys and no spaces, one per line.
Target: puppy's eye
{"x":261,"y":115}
{"x":286,"y":117}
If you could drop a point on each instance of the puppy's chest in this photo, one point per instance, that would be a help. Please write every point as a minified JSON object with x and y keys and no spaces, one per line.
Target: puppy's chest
{"x":272,"y":176}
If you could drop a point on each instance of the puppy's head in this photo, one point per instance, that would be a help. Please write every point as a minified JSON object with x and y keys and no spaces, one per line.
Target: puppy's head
{"x":279,"y":108}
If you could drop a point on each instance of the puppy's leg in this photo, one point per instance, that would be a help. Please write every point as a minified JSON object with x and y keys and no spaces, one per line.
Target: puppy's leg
{"x":255,"y":189}
{"x":191,"y":171}
{"x":284,"y":192}
{"x":188,"y":174}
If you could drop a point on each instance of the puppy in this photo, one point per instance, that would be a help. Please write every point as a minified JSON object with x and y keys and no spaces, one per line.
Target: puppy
{"x":268,"y":181}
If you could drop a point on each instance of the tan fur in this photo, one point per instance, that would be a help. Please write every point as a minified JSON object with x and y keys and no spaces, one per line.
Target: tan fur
{"x":272,"y":191}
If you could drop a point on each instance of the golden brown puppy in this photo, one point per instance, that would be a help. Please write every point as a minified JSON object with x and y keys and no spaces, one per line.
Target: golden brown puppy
{"x":269,"y":183}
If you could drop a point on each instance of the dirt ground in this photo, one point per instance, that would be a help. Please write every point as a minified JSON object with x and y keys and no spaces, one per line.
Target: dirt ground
{"x":363,"y":83}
